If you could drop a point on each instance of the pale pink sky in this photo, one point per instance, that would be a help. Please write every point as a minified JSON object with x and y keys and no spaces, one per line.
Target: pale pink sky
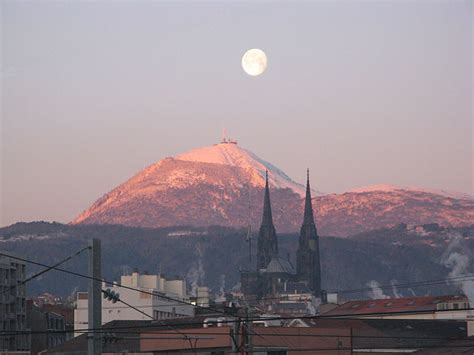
{"x":360,"y":92}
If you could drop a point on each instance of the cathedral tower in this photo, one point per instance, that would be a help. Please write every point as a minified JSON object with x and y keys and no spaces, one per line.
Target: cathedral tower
{"x":308,"y":266}
{"x":267,"y":245}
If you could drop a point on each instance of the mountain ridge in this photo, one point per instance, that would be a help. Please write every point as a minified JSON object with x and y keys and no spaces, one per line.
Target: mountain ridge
{"x":223,"y":185}
{"x":403,"y":254}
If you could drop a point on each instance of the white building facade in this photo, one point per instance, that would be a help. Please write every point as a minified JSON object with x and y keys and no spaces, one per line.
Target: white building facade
{"x":159,"y":298}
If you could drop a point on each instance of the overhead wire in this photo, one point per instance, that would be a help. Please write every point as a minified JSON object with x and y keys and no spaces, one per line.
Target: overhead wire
{"x":54,"y":267}
{"x":340,"y":317}
{"x":48,"y":268}
{"x":158,"y":295}
{"x":184,"y":302}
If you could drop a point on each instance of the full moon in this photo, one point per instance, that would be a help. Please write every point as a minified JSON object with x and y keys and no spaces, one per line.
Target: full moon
{"x":254,"y":62}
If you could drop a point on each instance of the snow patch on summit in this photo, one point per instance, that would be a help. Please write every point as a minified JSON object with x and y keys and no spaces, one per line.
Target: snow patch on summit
{"x":233,"y":155}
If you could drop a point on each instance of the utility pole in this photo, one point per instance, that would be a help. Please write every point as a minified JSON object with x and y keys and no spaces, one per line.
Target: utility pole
{"x":94,"y":341}
{"x":248,"y":332}
{"x":235,"y":338}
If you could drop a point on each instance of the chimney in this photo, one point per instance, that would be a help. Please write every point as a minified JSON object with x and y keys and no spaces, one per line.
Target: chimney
{"x":324,"y":296}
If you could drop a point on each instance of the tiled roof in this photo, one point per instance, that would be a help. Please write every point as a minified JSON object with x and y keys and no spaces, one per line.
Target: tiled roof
{"x":395,"y":333}
{"x":393,"y":305}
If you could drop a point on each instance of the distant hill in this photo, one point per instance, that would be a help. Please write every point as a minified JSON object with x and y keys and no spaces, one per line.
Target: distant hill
{"x":216,"y":185}
{"x":215,"y":254}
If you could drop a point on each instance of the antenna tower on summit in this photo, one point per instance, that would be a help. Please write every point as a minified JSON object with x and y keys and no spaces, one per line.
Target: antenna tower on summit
{"x":226,"y":139}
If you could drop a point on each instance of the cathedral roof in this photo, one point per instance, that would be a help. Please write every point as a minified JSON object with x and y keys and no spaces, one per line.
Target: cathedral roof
{"x":279,"y":265}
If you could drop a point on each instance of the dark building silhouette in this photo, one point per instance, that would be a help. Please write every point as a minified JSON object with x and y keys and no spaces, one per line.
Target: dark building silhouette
{"x":308,"y":265}
{"x":273,"y":272}
{"x":267,"y":245}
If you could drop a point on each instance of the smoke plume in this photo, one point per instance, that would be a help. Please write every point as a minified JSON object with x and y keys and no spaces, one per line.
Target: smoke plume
{"x":457,"y":258}
{"x":196,"y":273}
{"x":395,"y":292}
{"x":376,"y":292}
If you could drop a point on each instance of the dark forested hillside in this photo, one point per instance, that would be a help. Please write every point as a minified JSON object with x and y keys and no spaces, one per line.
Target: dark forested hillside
{"x":212,"y":256}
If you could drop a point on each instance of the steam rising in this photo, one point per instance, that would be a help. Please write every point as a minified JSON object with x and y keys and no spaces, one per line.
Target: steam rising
{"x":458,"y":258}
{"x":222,"y":286}
{"x":376,"y":292}
{"x":396,"y":294}
{"x":196,"y":273}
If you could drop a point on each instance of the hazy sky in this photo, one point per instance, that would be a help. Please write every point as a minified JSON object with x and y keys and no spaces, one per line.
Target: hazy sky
{"x":360,"y":92}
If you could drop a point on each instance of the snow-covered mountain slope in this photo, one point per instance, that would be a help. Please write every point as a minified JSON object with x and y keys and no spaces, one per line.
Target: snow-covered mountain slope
{"x":233,"y":155}
{"x":393,"y":188}
{"x":216,"y":185}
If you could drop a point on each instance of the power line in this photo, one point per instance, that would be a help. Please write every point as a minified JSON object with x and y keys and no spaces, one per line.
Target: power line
{"x":411,"y":284}
{"x":341,"y":317}
{"x":188,"y":303}
{"x":55,"y":267}
{"x":49,"y":268}
{"x":129,"y":306}
{"x":218,"y":311}
{"x":187,"y":335}
{"x":118,"y":285}
{"x":405,"y":285}
{"x":146,"y":314}
{"x":329,"y":335}
{"x":465,"y":277}
{"x":184,"y":302}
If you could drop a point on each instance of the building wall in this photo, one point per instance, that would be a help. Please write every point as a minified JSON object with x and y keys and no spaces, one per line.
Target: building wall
{"x":470,"y":326}
{"x":13,"y":303}
{"x":177,"y":287}
{"x":151,"y":306}
{"x":40,"y":322}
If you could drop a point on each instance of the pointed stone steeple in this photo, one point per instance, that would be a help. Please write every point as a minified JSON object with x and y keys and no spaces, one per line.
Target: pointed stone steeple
{"x":308,"y":206}
{"x":308,"y":265}
{"x":267,"y":245}
{"x":267,"y":218}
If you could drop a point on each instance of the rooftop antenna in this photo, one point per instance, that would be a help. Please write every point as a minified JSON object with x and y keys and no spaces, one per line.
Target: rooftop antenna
{"x":224,"y":136}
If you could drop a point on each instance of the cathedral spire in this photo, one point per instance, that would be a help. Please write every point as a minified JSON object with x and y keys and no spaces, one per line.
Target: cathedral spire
{"x":308,"y":206}
{"x":267,"y":218}
{"x":267,"y":244}
{"x":308,"y":264}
